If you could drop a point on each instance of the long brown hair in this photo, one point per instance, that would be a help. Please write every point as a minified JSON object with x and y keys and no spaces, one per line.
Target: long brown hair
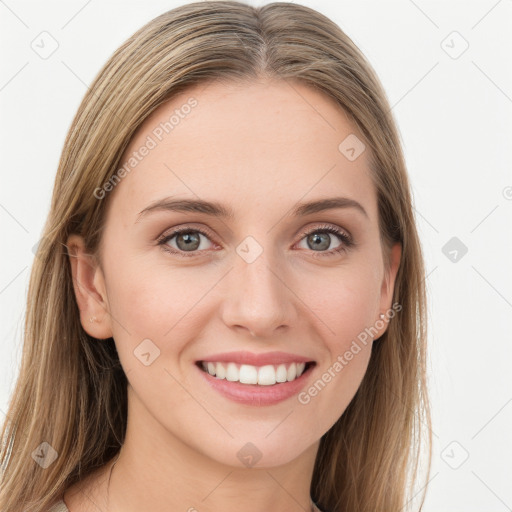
{"x":71,"y":390}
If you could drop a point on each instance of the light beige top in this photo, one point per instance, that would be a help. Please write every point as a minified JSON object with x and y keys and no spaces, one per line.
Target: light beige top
{"x":59,"y":507}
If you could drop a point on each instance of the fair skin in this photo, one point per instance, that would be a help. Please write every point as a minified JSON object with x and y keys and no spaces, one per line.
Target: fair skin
{"x":259,"y":149}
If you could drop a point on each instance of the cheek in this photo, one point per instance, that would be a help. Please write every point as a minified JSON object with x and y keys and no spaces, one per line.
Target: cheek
{"x":348,"y":309}
{"x":158,"y":303}
{"x":347,"y":304}
{"x":151,"y":299}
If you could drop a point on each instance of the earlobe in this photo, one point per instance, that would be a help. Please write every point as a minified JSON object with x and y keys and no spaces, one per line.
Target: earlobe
{"x":89,"y":287}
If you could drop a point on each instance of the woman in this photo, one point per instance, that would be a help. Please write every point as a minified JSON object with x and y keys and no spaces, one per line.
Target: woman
{"x":227,"y":308}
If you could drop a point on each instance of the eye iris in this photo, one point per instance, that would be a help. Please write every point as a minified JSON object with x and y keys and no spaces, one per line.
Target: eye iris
{"x":191,"y":240}
{"x":318,"y":242}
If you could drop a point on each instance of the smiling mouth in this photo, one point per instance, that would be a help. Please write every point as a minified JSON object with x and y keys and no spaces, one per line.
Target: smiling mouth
{"x":267,"y":375}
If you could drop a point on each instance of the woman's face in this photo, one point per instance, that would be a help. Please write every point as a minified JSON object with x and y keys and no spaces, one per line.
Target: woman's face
{"x":256,"y":288}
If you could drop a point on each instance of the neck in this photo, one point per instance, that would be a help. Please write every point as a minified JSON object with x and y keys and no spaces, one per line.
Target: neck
{"x":159,"y":486}
{"x":151,"y":474}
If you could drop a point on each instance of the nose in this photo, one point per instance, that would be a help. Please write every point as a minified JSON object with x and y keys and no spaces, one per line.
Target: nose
{"x":258,"y":300}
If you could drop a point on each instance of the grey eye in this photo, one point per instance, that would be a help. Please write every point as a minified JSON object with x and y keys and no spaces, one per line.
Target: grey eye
{"x":186,"y":240}
{"x":320,"y":241}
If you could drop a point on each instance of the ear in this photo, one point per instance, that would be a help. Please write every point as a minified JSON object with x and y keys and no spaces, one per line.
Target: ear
{"x":90,"y":291}
{"x":388,"y":287}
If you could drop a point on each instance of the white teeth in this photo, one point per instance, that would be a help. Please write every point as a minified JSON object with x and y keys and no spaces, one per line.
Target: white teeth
{"x":292,"y":372}
{"x":220,"y":371}
{"x":248,"y":374}
{"x":267,"y":375}
{"x":232,"y":372}
{"x":281,"y":373}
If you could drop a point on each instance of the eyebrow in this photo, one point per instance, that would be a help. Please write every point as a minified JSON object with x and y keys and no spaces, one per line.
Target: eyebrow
{"x":216,"y":209}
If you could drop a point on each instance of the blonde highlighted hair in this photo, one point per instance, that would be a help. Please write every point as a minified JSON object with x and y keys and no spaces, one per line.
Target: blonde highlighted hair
{"x":71,"y":390}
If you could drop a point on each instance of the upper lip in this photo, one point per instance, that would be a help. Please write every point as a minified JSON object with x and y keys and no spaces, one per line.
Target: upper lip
{"x":266,"y":358}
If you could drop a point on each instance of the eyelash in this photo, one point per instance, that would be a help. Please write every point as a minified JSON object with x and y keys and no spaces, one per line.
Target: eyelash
{"x":346,"y":239}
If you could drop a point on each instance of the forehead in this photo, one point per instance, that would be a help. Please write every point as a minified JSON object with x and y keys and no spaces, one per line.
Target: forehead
{"x":254,"y":144}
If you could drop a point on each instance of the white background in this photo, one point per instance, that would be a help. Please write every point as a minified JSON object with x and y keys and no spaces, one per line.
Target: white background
{"x":455,"y":120}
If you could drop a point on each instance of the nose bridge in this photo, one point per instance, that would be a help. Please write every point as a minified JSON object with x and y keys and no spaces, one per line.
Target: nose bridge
{"x":257,"y":296}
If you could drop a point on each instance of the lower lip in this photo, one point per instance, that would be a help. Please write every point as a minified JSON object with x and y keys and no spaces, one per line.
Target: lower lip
{"x":254,"y":394}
